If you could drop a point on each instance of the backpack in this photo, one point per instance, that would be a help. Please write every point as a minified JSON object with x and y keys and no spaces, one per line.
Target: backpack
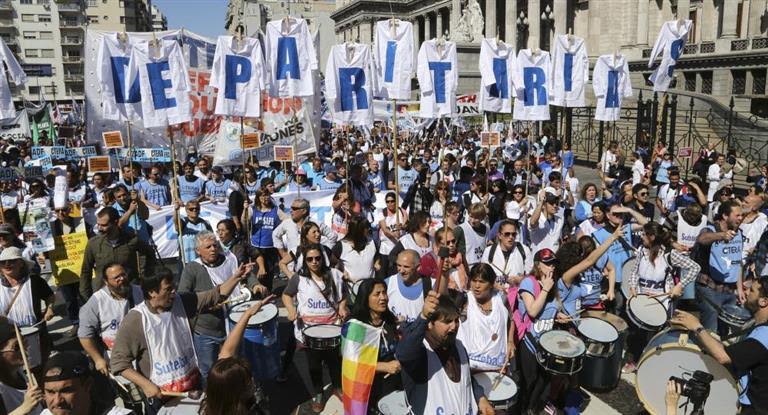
{"x":518,"y":245}
{"x":522,"y":323}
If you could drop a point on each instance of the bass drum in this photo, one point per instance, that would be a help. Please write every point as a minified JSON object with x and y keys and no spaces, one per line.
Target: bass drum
{"x":672,"y":353}
{"x":626,"y":270}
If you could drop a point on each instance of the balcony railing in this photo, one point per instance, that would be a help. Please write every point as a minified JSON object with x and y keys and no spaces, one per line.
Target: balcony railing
{"x":740,"y":44}
{"x":69,"y":22}
{"x":691,"y":49}
{"x":707,"y":47}
{"x":73,"y":77}
{"x":72,"y":41}
{"x":760,"y":43}
{"x":69,"y":7}
{"x":72,"y":59}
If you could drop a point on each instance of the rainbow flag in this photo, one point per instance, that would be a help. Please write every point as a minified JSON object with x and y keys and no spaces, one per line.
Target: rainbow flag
{"x":360,"y":353}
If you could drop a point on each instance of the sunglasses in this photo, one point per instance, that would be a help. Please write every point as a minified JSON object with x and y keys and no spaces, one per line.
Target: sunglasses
{"x":517,"y":193}
{"x":297,"y":207}
{"x":390,"y":201}
{"x":643,"y":194}
{"x":7,"y":263}
{"x":509,"y":234}
{"x":313,"y":259}
{"x":192,"y":209}
{"x":450,"y":242}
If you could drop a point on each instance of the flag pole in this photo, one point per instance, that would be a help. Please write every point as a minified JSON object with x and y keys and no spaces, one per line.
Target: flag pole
{"x":175,"y":195}
{"x":397,"y":178}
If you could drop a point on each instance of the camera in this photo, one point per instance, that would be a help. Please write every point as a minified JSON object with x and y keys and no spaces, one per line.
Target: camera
{"x":695,"y":388}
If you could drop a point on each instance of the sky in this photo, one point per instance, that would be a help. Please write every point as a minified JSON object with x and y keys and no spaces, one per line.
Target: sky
{"x":204,"y":17}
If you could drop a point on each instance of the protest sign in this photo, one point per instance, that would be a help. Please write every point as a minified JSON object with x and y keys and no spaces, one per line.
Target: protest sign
{"x":15,"y":129}
{"x":283,"y":153}
{"x":99,"y":164}
{"x":8,"y":174}
{"x":251,"y":141}
{"x":67,"y":257}
{"x":113,"y":139}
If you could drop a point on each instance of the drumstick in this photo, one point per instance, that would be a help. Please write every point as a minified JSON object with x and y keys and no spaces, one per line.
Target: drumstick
{"x":190,"y":394}
{"x":23,"y":349}
{"x":501,"y":372}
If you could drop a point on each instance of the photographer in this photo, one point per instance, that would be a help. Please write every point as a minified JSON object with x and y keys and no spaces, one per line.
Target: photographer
{"x":747,"y":358}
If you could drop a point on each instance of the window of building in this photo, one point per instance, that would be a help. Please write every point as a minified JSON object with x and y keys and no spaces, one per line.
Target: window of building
{"x":46,"y":35}
{"x":43,"y":18}
{"x":93,"y":19}
{"x":31,"y":53}
{"x":690,"y":81}
{"x":46,"y":53}
{"x":692,"y":15}
{"x":706,"y":82}
{"x":30,"y":35}
{"x":758,"y":81}
{"x":92,"y":3}
{"x":43,"y":1}
{"x":739,"y":85}
{"x":26,"y":2}
{"x":34,"y":89}
{"x":27,"y":17}
{"x":739,"y":15}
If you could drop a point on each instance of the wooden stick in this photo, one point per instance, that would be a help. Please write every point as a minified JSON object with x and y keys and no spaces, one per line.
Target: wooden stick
{"x":176,"y":195}
{"x":394,"y":146}
{"x":245,"y":180}
{"x":659,"y":295}
{"x":30,"y":377}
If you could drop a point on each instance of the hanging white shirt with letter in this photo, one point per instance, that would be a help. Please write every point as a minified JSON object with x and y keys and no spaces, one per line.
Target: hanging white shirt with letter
{"x":497,"y":70}
{"x":438,"y":75}
{"x":669,"y":44}
{"x":291,"y":57}
{"x":610,"y":80}
{"x":349,"y":81}
{"x":164,"y":83}
{"x":393,"y":56}
{"x":119,"y":100}
{"x":239,"y":73}
{"x":533,"y":81}
{"x":570,"y":71}
{"x":7,"y":110}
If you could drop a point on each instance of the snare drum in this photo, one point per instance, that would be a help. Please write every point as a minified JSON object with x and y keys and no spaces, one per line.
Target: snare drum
{"x":504,"y":396}
{"x":560,"y":352}
{"x":322,"y":336}
{"x":260,"y":346}
{"x":735,"y":320}
{"x":604,"y":372}
{"x":395,"y":403}
{"x":646,"y":312}
{"x":673,"y":353}
{"x":599,"y":336}
{"x":31,"y":337}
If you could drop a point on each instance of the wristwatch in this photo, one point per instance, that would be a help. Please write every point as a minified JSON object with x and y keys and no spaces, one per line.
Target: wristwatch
{"x":698,"y":331}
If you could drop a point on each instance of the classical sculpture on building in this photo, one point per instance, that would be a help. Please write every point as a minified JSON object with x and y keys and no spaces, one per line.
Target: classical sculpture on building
{"x":471,"y":24}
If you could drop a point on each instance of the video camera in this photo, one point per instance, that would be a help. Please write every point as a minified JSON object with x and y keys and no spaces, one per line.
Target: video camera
{"x":696,"y":389}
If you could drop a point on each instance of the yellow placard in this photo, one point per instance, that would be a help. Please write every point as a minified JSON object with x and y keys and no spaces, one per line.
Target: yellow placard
{"x":251,"y":141}
{"x":284,"y":153}
{"x":67,"y":257}
{"x":113,"y":139}
{"x":99,"y":164}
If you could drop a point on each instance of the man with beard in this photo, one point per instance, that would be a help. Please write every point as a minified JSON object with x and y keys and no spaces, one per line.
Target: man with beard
{"x":101,"y":316}
{"x":69,"y":388}
{"x":112,"y":245}
{"x":667,"y":195}
{"x":435,"y":365}
{"x":719,"y":253}
{"x":133,"y":212}
{"x":749,"y":357}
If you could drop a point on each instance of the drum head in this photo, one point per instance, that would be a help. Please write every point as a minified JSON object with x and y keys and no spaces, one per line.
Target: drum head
{"x":626,"y":270}
{"x":598,"y":330}
{"x":505,"y":389}
{"x":649,"y":310}
{"x":660,"y":361}
{"x":617,"y":322}
{"x":735,"y":315}
{"x":323,"y":331}
{"x":265,"y":314}
{"x":394,"y":404}
{"x":181,"y":406}
{"x":562,"y":343}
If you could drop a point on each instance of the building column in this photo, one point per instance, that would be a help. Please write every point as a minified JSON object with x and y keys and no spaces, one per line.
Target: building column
{"x":490,"y":18}
{"x":534,"y":24}
{"x":510,"y":22}
{"x":416,"y":39}
{"x":427,"y":27}
{"x":708,"y":22}
{"x":455,"y":13}
{"x":730,"y":13}
{"x":439,"y":23}
{"x":642,"y":23}
{"x":560,"y":8}
{"x":683,"y":7}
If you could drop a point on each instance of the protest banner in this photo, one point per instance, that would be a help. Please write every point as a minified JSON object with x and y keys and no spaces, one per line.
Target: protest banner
{"x":15,"y":129}
{"x":67,"y":257}
{"x":283,"y":154}
{"x":99,"y":164}
{"x":8,"y":174}
{"x":113,"y":139}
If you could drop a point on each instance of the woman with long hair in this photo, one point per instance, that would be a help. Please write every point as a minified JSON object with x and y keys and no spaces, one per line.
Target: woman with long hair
{"x":320,"y":299}
{"x":497,"y":202}
{"x":417,"y":238}
{"x":589,"y":196}
{"x":230,"y":389}
{"x":372,"y":308}
{"x":442,"y":196}
{"x":263,"y":218}
{"x":596,"y":220}
{"x":356,"y":254}
{"x":309,"y":235}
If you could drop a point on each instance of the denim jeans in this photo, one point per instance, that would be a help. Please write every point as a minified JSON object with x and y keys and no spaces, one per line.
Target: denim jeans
{"x":705,"y":296}
{"x":207,"y":349}
{"x":71,"y":294}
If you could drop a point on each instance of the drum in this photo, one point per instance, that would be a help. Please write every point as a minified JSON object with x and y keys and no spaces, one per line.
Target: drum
{"x":260,"y":346}
{"x":560,"y":352}
{"x":31,"y":337}
{"x":647,"y":313}
{"x":735,"y":320}
{"x":599,"y":336}
{"x":181,"y":406}
{"x":395,"y":403}
{"x":672,"y":353}
{"x":604,"y":372}
{"x":504,"y":395}
{"x":626,"y":270}
{"x":322,"y":336}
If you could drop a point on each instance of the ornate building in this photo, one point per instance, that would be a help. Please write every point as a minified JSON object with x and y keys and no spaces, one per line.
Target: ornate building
{"x":726,"y":54}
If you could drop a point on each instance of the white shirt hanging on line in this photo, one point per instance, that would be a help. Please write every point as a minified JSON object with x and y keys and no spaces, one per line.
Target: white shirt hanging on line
{"x":164,"y":82}
{"x":291,"y":57}
{"x":611,"y":82}
{"x":393,"y":57}
{"x":438,"y":75}
{"x":239,"y":73}
{"x":570,"y":71}
{"x":533,"y":80}
{"x":349,"y":84}
{"x":670,"y":45}
{"x":497,"y":70}
{"x":7,"y":110}
{"x":120,"y":101}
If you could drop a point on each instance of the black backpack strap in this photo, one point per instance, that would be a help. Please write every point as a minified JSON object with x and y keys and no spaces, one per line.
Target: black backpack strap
{"x":522,"y":252}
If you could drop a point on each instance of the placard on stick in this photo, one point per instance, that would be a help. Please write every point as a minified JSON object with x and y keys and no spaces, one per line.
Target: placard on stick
{"x":284,"y":153}
{"x":113,"y":139}
{"x":99,"y":164}
{"x":251,"y":141}
{"x":490,"y":139}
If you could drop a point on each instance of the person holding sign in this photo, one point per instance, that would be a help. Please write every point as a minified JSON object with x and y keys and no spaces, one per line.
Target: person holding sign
{"x":17,"y":397}
{"x":133,"y":213}
{"x":155,"y":192}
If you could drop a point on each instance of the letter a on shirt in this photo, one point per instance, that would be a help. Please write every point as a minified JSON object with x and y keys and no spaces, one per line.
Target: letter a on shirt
{"x":239,"y":74}
{"x":291,"y":57}
{"x":7,"y":109}
{"x":570,"y":71}
{"x":534,"y":85}
{"x":497,"y":71}
{"x":120,"y":101}
{"x":610,"y":80}
{"x":438,"y":76}
{"x":670,"y":44}
{"x":393,"y":55}
{"x":349,"y":80}
{"x":164,"y":83}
